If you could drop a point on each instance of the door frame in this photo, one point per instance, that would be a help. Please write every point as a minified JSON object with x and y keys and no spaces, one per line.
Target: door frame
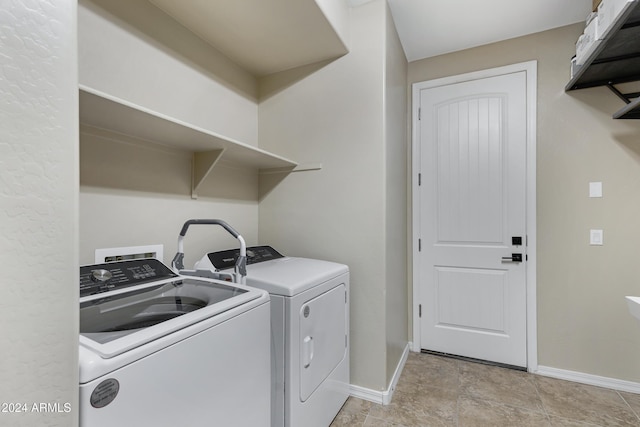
{"x":530,"y":68}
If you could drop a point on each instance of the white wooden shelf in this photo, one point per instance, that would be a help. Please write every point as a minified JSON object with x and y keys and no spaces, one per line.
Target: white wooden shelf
{"x":266,"y":36}
{"x":103,"y":111}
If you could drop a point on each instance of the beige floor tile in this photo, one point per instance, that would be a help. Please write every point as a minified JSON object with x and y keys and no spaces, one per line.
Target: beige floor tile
{"x":377,"y":422}
{"x":430,"y":371}
{"x":355,"y":405}
{"x":506,"y":386}
{"x":438,"y":391}
{"x":584,"y":403}
{"x":563,"y":422}
{"x":349,"y":419}
{"x":632,"y":400}
{"x":427,"y":407}
{"x":484,"y":413}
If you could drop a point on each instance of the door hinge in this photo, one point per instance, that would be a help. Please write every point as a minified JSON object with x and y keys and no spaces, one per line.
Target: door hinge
{"x":419,"y":113}
{"x":345,"y":297}
{"x":419,"y":310}
{"x":419,"y":179}
{"x":419,"y":245}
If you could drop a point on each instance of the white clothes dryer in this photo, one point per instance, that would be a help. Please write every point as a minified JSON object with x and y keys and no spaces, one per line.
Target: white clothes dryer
{"x":159,"y":349}
{"x":310,"y":331}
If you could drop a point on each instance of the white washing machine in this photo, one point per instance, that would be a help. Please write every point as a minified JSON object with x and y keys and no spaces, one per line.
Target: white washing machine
{"x":159,"y":349}
{"x":310,"y":331}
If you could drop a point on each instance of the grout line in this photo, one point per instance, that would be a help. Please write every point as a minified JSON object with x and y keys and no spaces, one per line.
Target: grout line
{"x":527,"y":378}
{"x":627,"y":403}
{"x":386,"y":421}
{"x":544,"y":407}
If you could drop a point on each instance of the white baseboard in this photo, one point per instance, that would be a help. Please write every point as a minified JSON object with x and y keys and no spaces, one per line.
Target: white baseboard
{"x":367,"y":394}
{"x":589,"y":379}
{"x":382,"y":397}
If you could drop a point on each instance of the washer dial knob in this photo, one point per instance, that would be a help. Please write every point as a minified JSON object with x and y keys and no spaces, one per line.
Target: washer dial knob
{"x":101,"y":275}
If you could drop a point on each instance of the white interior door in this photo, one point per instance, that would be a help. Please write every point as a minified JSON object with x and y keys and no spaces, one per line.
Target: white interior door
{"x":472,"y":139}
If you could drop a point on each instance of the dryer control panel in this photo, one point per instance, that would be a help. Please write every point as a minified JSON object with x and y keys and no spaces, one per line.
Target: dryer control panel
{"x":223,"y":260}
{"x":99,"y":278}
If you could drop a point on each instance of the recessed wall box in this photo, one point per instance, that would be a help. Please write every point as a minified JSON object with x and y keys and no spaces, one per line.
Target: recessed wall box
{"x":131,"y":252}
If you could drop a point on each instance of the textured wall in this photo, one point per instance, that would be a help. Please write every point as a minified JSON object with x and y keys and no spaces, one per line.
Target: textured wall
{"x":38,"y":213}
{"x":583,"y":321}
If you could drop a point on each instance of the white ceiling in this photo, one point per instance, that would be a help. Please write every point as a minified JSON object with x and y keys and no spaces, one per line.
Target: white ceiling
{"x":428,"y":27}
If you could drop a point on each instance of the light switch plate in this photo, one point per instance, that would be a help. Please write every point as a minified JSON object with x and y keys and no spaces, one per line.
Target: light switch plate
{"x":595,"y":189}
{"x":596,"y":237}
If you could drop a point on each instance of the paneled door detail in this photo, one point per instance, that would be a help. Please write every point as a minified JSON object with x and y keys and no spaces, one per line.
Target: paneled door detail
{"x":473,"y":148}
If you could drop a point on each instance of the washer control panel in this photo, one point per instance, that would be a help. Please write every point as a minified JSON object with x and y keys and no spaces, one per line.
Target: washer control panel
{"x":99,"y":278}
{"x":223,"y":260}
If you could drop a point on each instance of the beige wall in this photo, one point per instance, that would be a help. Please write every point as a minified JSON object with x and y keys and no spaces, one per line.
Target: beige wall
{"x":136,"y":192}
{"x":38,"y":212}
{"x":131,"y":50}
{"x":119,"y":218}
{"x":395,"y":171}
{"x":583,"y":322}
{"x":337,"y":117}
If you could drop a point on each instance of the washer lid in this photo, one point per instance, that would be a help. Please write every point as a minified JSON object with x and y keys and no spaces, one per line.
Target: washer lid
{"x":290,"y":276}
{"x":117,"y":322}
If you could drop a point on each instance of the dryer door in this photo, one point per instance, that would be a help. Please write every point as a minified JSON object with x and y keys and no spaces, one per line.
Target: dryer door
{"x":323,"y":336}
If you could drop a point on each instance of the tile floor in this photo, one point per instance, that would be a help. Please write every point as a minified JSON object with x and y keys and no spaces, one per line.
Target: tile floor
{"x":439,"y":391}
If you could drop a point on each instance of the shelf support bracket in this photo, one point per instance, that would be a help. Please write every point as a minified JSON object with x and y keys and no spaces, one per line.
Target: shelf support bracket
{"x":202,"y":164}
{"x":618,"y":93}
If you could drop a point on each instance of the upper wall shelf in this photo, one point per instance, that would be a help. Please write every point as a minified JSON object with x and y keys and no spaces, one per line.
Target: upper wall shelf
{"x":615,"y":60}
{"x":103,"y":111}
{"x":266,"y":36}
